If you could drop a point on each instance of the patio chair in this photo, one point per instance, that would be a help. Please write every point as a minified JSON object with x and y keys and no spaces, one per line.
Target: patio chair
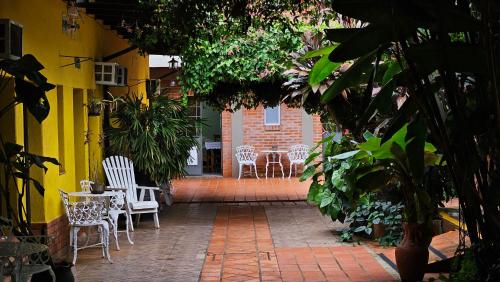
{"x":115,"y":208}
{"x":86,"y":214}
{"x":36,"y":262}
{"x":297,"y":155}
{"x":245,"y":155}
{"x":120,"y":174}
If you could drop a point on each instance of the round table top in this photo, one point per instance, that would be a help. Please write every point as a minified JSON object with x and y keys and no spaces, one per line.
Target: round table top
{"x":11,"y":249}
{"x":274,"y":151}
{"x":89,"y":194}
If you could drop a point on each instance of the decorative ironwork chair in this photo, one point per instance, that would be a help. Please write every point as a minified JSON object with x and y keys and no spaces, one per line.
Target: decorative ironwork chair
{"x":86,"y":214}
{"x":245,"y":155}
{"x":297,"y":155}
{"x":116,"y":206}
{"x":120,"y":174}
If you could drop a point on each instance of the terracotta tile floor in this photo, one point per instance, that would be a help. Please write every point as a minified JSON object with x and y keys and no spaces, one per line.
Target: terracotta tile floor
{"x":242,"y":249}
{"x":249,"y":230}
{"x":218,"y":189}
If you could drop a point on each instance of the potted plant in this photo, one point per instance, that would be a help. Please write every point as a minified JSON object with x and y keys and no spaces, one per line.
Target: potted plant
{"x":95,"y":107}
{"x":401,"y":161}
{"x":155,"y":137}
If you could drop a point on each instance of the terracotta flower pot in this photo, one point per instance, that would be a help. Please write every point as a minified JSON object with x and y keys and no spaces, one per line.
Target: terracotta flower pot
{"x":378,"y":230}
{"x":412,"y":254}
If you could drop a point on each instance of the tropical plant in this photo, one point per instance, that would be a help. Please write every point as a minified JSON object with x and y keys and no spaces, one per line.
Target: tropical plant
{"x":156,"y":137}
{"x":15,"y":160}
{"x":398,"y":162}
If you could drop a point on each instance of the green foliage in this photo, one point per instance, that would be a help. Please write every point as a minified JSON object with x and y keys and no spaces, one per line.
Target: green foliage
{"x":155,"y":137}
{"x":398,"y":162}
{"x":15,"y":161}
{"x":239,"y":69}
{"x":371,"y":211}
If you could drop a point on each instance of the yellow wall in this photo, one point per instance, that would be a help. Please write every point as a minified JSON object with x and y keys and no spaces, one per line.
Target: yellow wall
{"x":43,"y":37}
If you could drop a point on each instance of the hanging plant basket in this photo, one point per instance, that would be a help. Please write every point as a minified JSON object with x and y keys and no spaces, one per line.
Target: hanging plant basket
{"x":95,"y":109}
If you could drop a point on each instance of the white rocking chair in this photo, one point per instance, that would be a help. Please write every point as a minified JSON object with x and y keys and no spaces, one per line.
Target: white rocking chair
{"x":297,"y":155}
{"x":245,"y":155}
{"x":120,"y":174}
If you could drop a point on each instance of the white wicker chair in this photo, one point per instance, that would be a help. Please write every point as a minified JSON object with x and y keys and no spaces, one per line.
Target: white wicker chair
{"x":86,"y":214}
{"x":245,"y":155}
{"x":297,"y":155}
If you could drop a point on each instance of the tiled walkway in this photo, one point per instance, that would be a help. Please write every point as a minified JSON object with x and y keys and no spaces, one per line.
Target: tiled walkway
{"x":242,"y":249}
{"x":252,"y":230}
{"x":220,"y":190}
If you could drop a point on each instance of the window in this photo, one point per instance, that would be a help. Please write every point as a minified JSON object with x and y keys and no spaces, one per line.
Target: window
{"x":272,"y":116}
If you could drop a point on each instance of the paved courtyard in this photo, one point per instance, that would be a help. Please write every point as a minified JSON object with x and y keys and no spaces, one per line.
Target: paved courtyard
{"x":207,"y":237}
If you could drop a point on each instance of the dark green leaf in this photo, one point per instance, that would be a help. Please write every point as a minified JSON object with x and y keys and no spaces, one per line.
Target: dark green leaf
{"x":312,"y":156}
{"x":352,"y":77}
{"x":340,"y":34}
{"x":321,"y":70}
{"x":393,"y":69}
{"x":361,"y":43}
{"x":320,"y":52}
{"x":309,"y":172}
{"x":34,"y":98}
{"x":374,"y":181}
{"x":345,"y":155}
{"x":415,"y":148}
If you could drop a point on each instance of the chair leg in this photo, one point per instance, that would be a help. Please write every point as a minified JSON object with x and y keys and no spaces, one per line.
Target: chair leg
{"x":282,"y":172}
{"x":255,"y":166}
{"x":267,"y":164}
{"x":137,"y":221}
{"x":239,"y":174}
{"x":126,"y":229}
{"x":105,"y":242}
{"x":75,"y":243}
{"x":114,"y":224}
{"x":157,"y":222}
{"x":291,"y":167}
{"x":131,"y":223}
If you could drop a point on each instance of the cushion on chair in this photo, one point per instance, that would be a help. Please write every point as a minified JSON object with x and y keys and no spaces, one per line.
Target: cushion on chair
{"x":144,"y":205}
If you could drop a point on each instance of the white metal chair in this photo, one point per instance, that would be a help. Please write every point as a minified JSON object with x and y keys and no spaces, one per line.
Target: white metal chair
{"x":297,"y":155}
{"x":245,"y":155}
{"x":86,"y":214}
{"x":115,"y":208}
{"x":120,"y":174}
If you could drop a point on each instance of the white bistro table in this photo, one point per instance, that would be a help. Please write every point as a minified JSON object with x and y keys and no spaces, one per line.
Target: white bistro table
{"x":271,"y":156}
{"x":115,"y":202}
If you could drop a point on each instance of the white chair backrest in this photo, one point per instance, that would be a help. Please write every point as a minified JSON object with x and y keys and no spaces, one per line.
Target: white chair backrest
{"x":120,"y":174}
{"x":86,"y":185}
{"x":298,"y":152}
{"x":246,"y":156}
{"x":245,"y":148}
{"x":84,"y":213}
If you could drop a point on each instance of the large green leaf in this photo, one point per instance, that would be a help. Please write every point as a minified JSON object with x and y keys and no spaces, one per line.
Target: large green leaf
{"x":381,"y":102}
{"x":417,"y":131}
{"x":361,"y":43}
{"x":393,"y":69}
{"x":374,"y":181}
{"x":340,"y":34}
{"x":308,"y":173}
{"x":457,"y":57}
{"x":321,"y":70}
{"x":345,"y":155}
{"x":34,"y":98}
{"x":351,"y":77}
{"x":370,"y":145}
{"x":320,"y":52}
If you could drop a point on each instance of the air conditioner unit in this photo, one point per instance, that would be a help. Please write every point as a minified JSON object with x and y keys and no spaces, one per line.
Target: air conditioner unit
{"x":110,"y":74}
{"x":11,"y":39}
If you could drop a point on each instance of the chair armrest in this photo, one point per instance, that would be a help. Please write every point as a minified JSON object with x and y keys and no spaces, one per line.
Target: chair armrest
{"x":116,"y":188}
{"x":147,"y":187}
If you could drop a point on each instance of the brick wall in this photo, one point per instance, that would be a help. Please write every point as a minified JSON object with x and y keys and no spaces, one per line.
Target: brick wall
{"x":227,"y":153}
{"x":58,"y":231}
{"x":262,"y":137}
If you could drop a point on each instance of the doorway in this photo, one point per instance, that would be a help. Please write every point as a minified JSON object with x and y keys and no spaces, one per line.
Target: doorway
{"x":212,"y":140}
{"x":206,"y":158}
